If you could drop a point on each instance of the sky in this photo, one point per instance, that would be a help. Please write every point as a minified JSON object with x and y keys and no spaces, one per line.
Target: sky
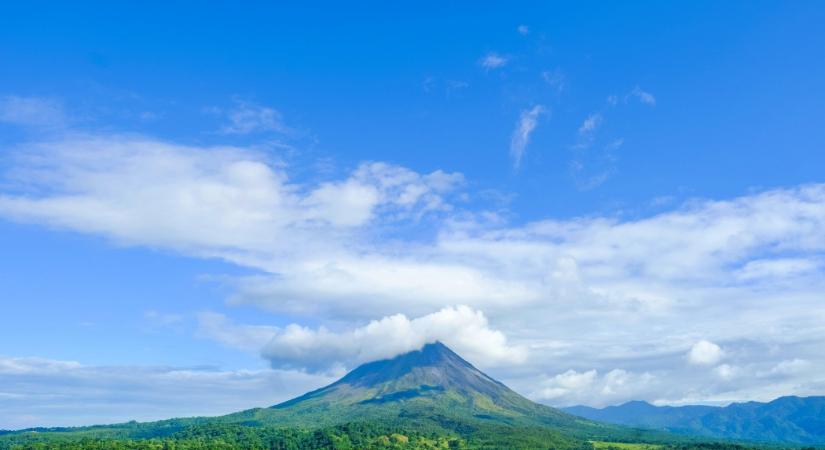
{"x":206,"y":208}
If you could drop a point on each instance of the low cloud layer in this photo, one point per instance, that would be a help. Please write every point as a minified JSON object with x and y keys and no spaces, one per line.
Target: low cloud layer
{"x":388,"y":248}
{"x":44,"y":392}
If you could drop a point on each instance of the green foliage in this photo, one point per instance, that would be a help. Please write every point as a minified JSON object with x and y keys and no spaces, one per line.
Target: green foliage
{"x":231,"y":436}
{"x":442,"y":433}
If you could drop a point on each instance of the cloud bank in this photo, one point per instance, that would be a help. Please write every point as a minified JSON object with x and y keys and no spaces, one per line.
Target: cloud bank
{"x":387,"y":248}
{"x":46,"y":392}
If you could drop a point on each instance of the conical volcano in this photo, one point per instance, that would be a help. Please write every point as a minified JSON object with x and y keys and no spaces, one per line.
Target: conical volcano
{"x":430,"y":372}
{"x":432,"y":384}
{"x":434,"y":365}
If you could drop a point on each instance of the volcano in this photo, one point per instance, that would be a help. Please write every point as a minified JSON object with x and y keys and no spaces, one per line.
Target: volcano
{"x":431,"y":394}
{"x":432,"y":380}
{"x":430,"y":388}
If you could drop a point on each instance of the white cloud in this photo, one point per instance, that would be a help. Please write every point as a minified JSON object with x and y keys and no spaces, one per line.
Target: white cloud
{"x":31,"y":111}
{"x":570,"y":381}
{"x":778,"y":269}
{"x":573,"y":387}
{"x":208,"y":201}
{"x":554,"y":78}
{"x":523,"y":30}
{"x":461,"y":328}
{"x":45,"y":392}
{"x":705,"y":353}
{"x":726,"y":371}
{"x":790,"y":367}
{"x":645,"y":97}
{"x":521,"y":135}
{"x":493,"y":60}
{"x":384,"y":239}
{"x":247,"y":117}
{"x":590,"y":123}
{"x":26,"y":366}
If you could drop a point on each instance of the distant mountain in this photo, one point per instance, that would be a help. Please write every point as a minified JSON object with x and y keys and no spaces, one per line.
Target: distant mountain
{"x":787,"y":419}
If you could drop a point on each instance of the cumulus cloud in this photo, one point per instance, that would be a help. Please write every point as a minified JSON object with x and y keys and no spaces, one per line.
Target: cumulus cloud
{"x":492,"y":61}
{"x":215,"y":201}
{"x":573,"y":387}
{"x":322,"y":350}
{"x":521,"y":135}
{"x":45,"y":392}
{"x":705,"y":353}
{"x":566,"y":382}
{"x":31,"y":111}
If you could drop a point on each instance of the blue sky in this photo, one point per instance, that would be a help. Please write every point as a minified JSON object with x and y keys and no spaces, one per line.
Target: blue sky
{"x":593,"y":202}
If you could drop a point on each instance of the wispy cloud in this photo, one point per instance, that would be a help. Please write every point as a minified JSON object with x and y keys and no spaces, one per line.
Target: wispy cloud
{"x":528,"y":120}
{"x":46,"y":392}
{"x":523,"y":30}
{"x":594,"y":161}
{"x":645,"y":97}
{"x":493,"y":60}
{"x":31,"y":111}
{"x":591,"y":123}
{"x":218,"y":327}
{"x":157,"y":320}
{"x":591,"y":166}
{"x":555,"y":78}
{"x":246,"y":117}
{"x":448,"y":87}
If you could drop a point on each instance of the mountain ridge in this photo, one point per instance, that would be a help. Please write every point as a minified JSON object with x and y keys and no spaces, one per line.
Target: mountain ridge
{"x":791,"y":419}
